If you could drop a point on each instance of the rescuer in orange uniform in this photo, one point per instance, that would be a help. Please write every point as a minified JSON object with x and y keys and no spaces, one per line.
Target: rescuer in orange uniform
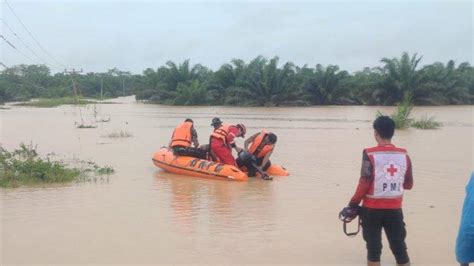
{"x":223,"y":140}
{"x":182,"y":139}
{"x":262,"y":145}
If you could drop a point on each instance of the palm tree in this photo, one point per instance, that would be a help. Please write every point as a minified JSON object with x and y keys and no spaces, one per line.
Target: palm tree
{"x":326,"y":85}
{"x":262,"y":83}
{"x":183,"y":73}
{"x":446,"y":84}
{"x":191,"y":94}
{"x":400,"y":79}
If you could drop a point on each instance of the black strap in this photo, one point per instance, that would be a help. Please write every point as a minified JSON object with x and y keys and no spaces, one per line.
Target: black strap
{"x":185,"y":140}
{"x":352,"y":234}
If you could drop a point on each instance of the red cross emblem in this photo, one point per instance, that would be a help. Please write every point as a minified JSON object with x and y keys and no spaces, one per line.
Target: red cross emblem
{"x":392,"y":170}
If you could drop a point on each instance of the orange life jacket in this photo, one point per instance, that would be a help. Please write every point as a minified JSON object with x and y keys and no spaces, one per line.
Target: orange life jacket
{"x":182,"y":135}
{"x":221,"y":133}
{"x":258,"y":148}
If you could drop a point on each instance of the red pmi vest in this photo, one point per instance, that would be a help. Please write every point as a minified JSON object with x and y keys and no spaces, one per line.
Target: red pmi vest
{"x":389,"y":165}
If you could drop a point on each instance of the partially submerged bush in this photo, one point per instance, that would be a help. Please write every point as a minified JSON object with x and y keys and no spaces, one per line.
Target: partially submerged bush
{"x":24,"y":166}
{"x":402,"y":117}
{"x":426,"y":123}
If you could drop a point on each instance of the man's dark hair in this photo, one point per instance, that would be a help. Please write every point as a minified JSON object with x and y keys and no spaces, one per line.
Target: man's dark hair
{"x":216,"y":122}
{"x":385,"y":126}
{"x":272,"y":138}
{"x":189,"y":120}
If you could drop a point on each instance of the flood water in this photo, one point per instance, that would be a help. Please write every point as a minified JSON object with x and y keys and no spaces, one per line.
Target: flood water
{"x":142,"y":215}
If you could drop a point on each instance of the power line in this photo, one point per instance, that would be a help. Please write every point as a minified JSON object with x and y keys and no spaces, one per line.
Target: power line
{"x":14,"y":47}
{"x":31,"y":35}
{"x":21,"y":40}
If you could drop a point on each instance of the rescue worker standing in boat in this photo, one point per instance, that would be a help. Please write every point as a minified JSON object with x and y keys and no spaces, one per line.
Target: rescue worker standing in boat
{"x":262,"y":145}
{"x":182,"y":139}
{"x":386,"y":172}
{"x":223,"y":140}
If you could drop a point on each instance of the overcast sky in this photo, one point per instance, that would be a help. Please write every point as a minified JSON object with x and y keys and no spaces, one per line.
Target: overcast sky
{"x":133,"y":36}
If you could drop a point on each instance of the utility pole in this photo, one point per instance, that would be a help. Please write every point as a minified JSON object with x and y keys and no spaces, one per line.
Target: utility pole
{"x":72,"y":73}
{"x":101,"y":87}
{"x":123,"y":85}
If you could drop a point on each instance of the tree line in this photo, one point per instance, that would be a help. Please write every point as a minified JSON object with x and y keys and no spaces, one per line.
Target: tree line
{"x":260,"y":82}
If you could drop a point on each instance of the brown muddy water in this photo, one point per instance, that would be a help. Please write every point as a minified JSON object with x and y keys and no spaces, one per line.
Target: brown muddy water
{"x":142,"y":215}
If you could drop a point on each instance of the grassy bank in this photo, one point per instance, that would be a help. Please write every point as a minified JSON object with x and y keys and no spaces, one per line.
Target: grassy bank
{"x":54,"y":102}
{"x":23,"y":167}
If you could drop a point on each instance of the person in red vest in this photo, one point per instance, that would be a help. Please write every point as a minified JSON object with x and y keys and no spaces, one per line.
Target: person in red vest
{"x":182,"y":139}
{"x":386,"y":172}
{"x":262,"y":145}
{"x":223,"y":140}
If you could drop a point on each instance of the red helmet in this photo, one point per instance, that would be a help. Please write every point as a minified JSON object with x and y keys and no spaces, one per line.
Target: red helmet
{"x":243,"y":129}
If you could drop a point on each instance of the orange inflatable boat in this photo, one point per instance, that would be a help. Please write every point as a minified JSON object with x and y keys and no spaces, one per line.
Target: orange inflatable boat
{"x":165,"y":159}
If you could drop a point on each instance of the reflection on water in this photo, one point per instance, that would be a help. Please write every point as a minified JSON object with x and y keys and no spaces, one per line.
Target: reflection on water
{"x":145,"y":215}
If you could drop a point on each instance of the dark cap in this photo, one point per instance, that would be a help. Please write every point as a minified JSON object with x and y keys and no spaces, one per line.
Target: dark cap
{"x":216,"y":121}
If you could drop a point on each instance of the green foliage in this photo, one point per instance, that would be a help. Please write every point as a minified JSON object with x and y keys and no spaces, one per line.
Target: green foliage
{"x":401,"y":117}
{"x":190,"y":94}
{"x":23,"y":166}
{"x":106,"y":170}
{"x":327,"y":85}
{"x":426,"y":123}
{"x":82,"y":126}
{"x":98,"y":170}
{"x":260,"y":82}
{"x":54,"y":102}
{"x":403,"y":120}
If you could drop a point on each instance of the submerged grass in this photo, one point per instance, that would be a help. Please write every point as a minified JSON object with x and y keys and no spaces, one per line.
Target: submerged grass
{"x":54,"y":102}
{"x":86,"y":126}
{"x":402,"y":118}
{"x":402,"y":115}
{"x":24,"y":166}
{"x":118,"y":135}
{"x":426,"y":123}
